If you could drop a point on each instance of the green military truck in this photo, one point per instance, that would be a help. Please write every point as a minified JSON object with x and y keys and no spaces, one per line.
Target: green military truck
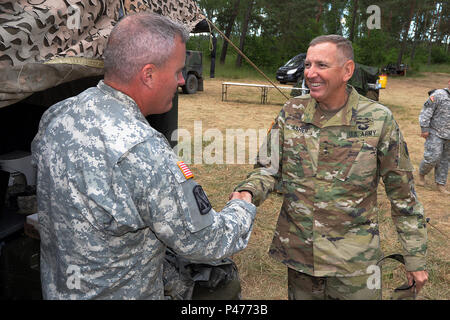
{"x":193,"y":72}
{"x":365,"y":81}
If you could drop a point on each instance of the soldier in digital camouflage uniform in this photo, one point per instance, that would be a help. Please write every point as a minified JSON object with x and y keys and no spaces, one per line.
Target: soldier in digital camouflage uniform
{"x":333,"y":147}
{"x":434,"y":121}
{"x":112,"y":195}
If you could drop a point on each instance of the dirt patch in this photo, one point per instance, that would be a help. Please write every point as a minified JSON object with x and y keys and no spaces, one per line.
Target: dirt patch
{"x":263,"y":278}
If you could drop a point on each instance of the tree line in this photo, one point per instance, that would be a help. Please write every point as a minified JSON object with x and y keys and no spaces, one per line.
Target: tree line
{"x":389,"y":31}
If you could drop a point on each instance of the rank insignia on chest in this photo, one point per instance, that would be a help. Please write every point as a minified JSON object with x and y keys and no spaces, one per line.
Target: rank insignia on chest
{"x":364,"y":123}
{"x":185,"y":170}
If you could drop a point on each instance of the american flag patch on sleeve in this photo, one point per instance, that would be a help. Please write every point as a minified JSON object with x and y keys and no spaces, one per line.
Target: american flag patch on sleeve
{"x":185,"y":170}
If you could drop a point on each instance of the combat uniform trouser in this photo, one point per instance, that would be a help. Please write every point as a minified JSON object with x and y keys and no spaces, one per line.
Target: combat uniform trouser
{"x":436,"y":155}
{"x":305,"y":287}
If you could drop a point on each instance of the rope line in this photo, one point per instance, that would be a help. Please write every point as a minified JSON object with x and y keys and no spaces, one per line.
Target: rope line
{"x":428,"y":222}
{"x":245,"y":57}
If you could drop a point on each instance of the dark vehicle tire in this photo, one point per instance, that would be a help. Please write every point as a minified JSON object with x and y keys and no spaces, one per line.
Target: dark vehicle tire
{"x":283,"y":82}
{"x":191,"y":85}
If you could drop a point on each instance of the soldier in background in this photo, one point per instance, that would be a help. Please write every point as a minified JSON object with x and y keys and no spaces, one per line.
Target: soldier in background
{"x":434,"y":122}
{"x":112,"y":196}
{"x":333,"y":147}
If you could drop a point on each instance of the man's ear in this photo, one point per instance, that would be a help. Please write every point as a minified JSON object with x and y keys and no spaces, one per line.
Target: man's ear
{"x":349,"y":68}
{"x":147,"y":75}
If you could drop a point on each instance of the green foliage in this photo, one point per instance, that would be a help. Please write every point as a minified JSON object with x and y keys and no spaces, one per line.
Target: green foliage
{"x":230,"y":71}
{"x":438,"y":55}
{"x":417,"y":68}
{"x":279,"y":30}
{"x":200,"y":43}
{"x":263,"y":52}
{"x":371,"y":50}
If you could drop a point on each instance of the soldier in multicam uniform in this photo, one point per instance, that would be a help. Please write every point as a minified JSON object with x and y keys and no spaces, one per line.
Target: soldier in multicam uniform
{"x":111,"y":194}
{"x":334,"y":145}
{"x":434,"y":121}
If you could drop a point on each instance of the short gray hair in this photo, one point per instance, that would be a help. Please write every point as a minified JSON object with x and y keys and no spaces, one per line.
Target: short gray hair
{"x":140,"y":39}
{"x":343,"y":45}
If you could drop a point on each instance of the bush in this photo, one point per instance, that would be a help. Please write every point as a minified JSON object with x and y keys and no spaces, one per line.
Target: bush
{"x":269,"y":53}
{"x":370,"y":51}
{"x":438,"y":55}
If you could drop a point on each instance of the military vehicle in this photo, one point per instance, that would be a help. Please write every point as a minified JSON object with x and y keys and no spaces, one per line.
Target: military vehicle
{"x":365,"y":80}
{"x":193,"y":72}
{"x":395,"y":69}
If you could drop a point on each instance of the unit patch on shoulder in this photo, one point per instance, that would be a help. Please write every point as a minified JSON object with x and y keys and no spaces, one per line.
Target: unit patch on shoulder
{"x":204,"y":206}
{"x":185,"y":170}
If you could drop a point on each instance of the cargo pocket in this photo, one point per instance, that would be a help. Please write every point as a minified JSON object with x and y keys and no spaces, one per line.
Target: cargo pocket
{"x":361,"y":164}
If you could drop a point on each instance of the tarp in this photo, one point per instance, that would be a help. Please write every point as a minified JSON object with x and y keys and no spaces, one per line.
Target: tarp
{"x":362,"y":76}
{"x":44,"y":43}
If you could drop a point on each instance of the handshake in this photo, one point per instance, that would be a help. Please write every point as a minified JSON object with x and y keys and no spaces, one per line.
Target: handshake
{"x":243,"y":195}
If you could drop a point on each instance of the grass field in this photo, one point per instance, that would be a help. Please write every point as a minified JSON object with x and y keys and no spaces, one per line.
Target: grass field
{"x":261,"y":276}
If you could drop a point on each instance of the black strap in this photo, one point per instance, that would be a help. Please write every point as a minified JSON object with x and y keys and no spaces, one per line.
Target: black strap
{"x":432,"y":91}
{"x":400,"y":258}
{"x":395,"y":256}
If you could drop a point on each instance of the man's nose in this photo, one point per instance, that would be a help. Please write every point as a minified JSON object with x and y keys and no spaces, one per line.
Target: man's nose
{"x":310,"y":72}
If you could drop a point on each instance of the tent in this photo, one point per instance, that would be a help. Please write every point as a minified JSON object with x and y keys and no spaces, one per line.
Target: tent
{"x":49,"y":42}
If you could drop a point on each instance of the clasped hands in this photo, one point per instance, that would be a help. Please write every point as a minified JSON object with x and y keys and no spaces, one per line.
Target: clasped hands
{"x":243,"y":195}
{"x":425,"y":135}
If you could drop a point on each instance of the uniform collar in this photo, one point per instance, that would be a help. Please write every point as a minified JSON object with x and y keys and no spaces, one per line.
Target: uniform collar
{"x":343,"y":117}
{"x":122,"y":98}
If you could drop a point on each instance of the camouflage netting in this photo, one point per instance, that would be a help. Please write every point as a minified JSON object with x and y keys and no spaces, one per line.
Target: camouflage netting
{"x":44,"y":43}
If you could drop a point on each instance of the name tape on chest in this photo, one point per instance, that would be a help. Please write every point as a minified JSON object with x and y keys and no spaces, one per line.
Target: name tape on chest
{"x":359,"y":134}
{"x":363,"y":128}
{"x":185,"y":170}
